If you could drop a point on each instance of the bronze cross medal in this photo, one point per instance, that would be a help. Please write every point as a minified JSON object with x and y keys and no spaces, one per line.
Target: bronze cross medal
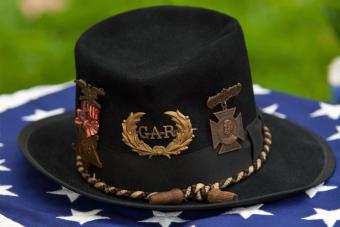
{"x":228,"y":129}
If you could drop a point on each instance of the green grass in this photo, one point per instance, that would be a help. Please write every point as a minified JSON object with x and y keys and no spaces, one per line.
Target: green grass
{"x":290,"y":43}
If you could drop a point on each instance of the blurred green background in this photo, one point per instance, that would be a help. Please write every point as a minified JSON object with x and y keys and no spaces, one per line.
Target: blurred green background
{"x":290,"y":43}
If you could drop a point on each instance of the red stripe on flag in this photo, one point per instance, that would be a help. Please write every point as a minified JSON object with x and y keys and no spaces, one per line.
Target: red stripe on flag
{"x":93,"y":112}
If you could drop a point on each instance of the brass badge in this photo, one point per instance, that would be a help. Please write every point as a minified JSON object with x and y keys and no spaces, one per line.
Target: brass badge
{"x":228,"y":129}
{"x":184,"y":135}
{"x":87,"y":122}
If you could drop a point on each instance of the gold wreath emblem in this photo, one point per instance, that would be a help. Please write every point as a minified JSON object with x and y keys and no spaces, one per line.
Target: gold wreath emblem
{"x":184,"y":135}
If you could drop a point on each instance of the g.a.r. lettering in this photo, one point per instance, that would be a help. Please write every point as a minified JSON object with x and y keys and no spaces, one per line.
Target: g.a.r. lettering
{"x":166,"y":132}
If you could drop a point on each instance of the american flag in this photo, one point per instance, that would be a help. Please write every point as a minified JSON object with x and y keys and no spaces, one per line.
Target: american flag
{"x":87,"y":118}
{"x":93,"y":112}
{"x":28,"y":198}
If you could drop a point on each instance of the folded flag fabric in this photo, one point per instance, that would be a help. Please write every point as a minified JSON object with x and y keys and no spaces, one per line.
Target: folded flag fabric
{"x":28,"y":198}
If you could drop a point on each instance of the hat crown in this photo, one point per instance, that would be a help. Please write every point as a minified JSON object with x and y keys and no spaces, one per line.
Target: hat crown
{"x":164,"y":58}
{"x":161,"y":59}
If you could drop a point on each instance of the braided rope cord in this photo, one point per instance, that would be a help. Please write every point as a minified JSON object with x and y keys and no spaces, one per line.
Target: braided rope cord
{"x":197,"y":191}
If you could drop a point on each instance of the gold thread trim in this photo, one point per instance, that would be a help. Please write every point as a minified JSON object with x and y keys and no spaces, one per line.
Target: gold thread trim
{"x":198,"y":191}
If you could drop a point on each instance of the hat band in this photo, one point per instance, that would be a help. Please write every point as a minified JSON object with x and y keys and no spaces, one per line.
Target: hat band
{"x":225,"y":134}
{"x":200,"y":192}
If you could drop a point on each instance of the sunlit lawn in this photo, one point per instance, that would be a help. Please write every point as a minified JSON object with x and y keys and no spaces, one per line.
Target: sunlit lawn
{"x":290,"y":43}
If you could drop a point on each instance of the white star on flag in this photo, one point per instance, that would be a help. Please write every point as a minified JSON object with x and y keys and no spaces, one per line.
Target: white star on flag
{"x":22,"y":97}
{"x":83,"y":217}
{"x":4,"y":190}
{"x":71,"y":195}
{"x":1,"y":145}
{"x":2,"y":167}
{"x":41,"y":114}
{"x":5,"y":221}
{"x":258,"y":90}
{"x":164,"y":218}
{"x":332,"y":111}
{"x":320,"y":188}
{"x":329,"y":217}
{"x":336,"y":135}
{"x":272,"y":110}
{"x":247,"y":212}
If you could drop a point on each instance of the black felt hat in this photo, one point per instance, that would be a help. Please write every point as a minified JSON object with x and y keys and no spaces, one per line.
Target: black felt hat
{"x":166,"y":119}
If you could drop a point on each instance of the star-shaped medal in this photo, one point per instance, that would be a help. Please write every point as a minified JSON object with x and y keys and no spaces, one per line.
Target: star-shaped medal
{"x":86,"y":147}
{"x":226,"y":131}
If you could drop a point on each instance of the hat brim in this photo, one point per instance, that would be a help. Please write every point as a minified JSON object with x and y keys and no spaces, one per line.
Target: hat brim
{"x":298,"y":160}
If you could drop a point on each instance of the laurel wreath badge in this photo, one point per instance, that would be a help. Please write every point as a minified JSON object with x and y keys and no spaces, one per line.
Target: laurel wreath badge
{"x":184,"y":135}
